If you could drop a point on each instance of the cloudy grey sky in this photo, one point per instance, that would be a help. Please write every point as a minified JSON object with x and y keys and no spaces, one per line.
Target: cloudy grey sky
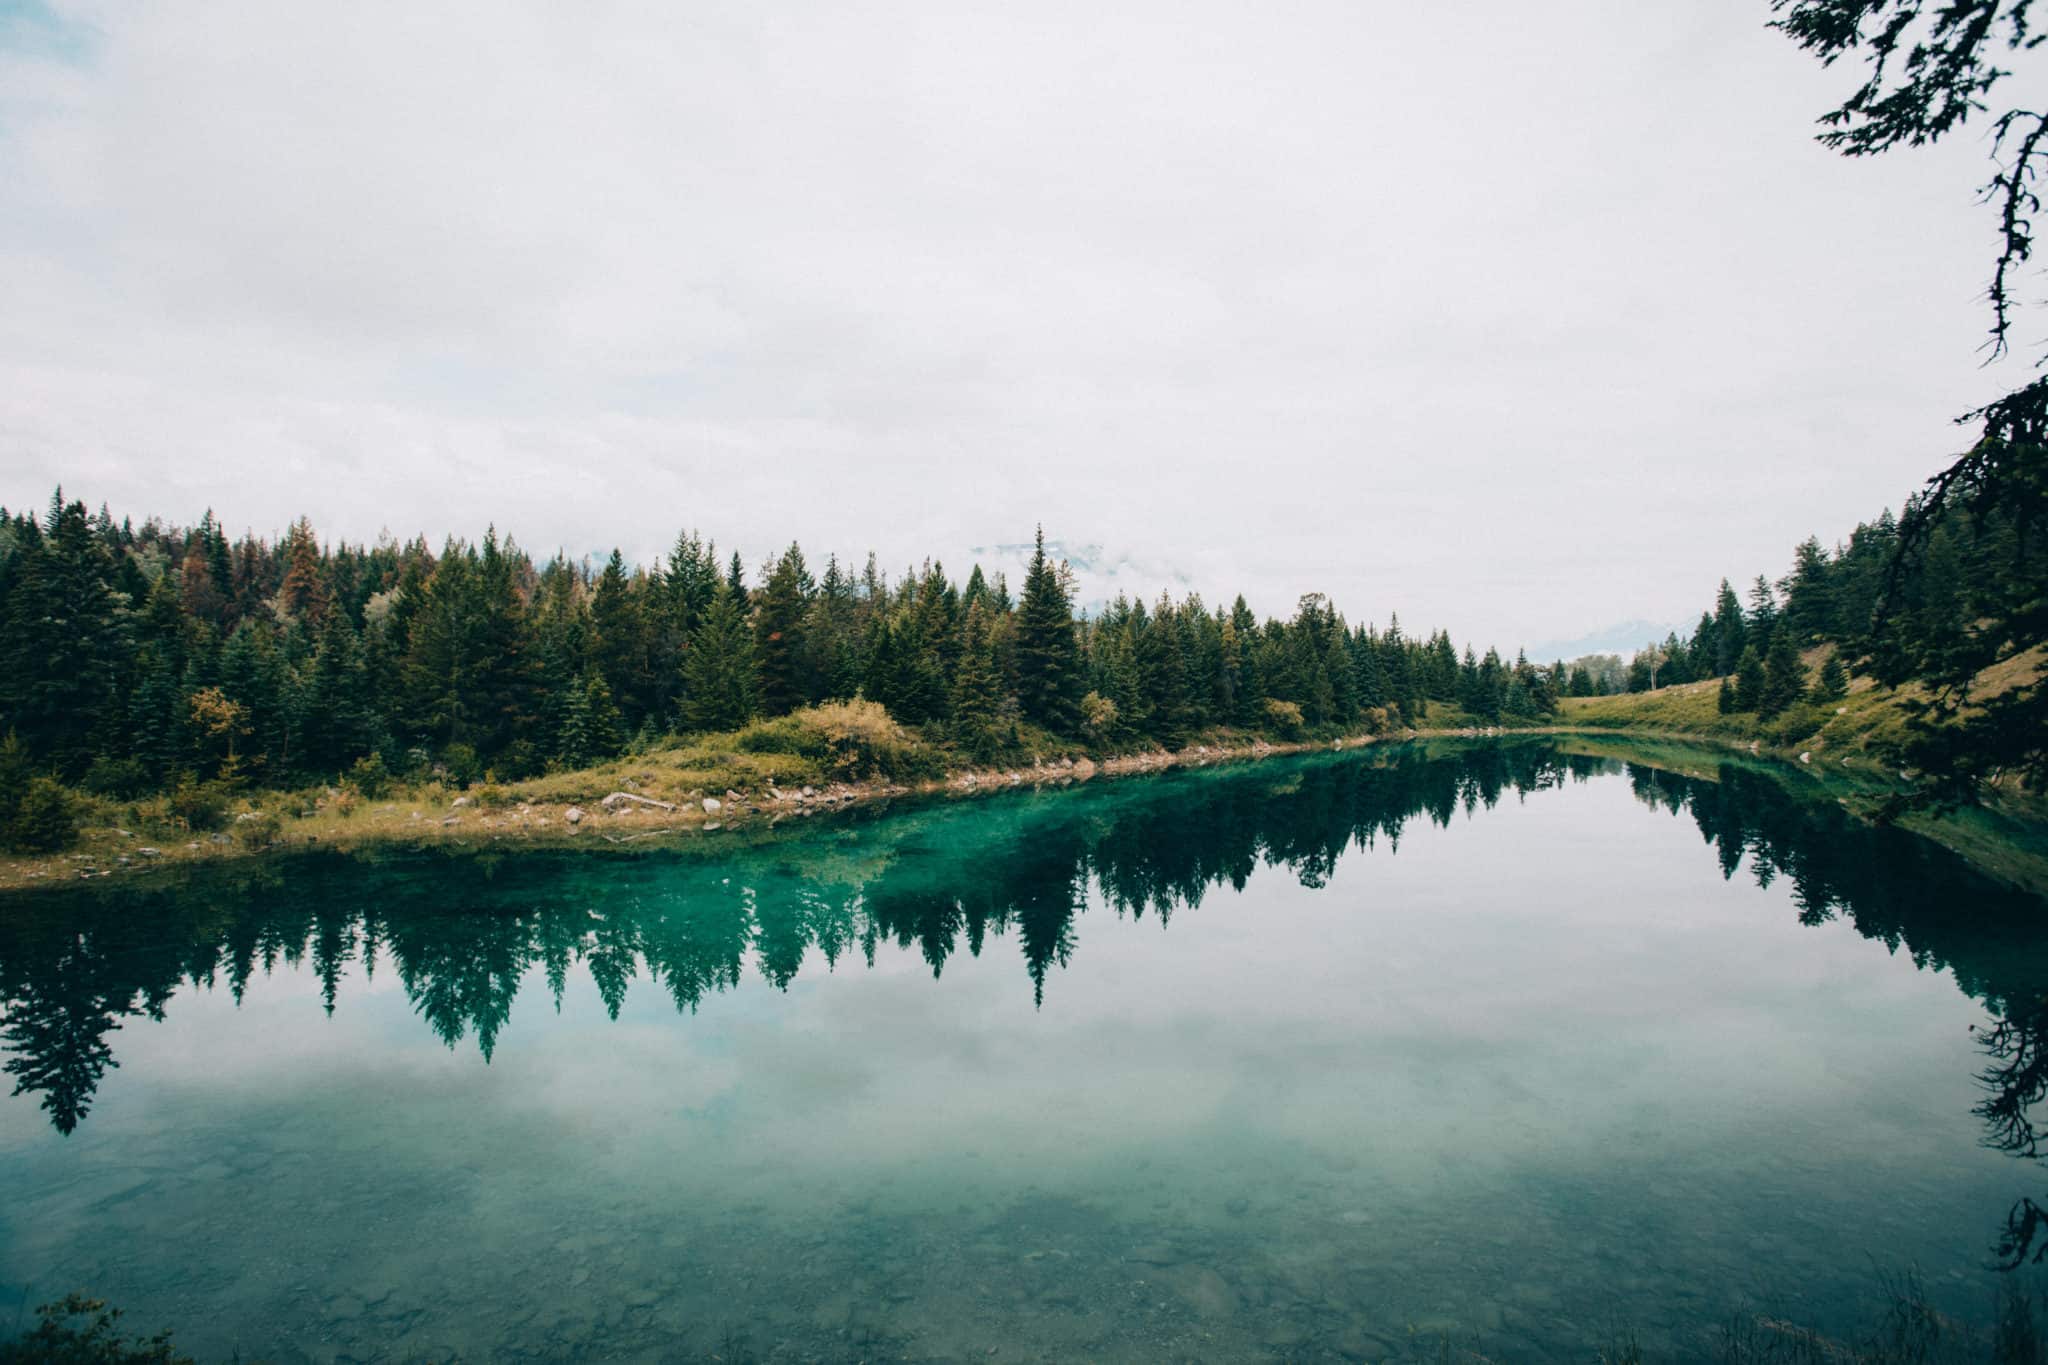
{"x":1519,"y":319}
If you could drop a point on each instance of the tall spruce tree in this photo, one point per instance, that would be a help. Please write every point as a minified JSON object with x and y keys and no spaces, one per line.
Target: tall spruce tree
{"x":1730,"y":631}
{"x":977,"y":700}
{"x":719,"y":673}
{"x":1750,"y":680}
{"x":1048,"y":657}
{"x":779,"y":623}
{"x":1784,"y":675}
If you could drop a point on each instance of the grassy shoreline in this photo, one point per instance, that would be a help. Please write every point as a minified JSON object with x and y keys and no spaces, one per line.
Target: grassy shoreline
{"x":832,"y":758}
{"x":794,"y":767}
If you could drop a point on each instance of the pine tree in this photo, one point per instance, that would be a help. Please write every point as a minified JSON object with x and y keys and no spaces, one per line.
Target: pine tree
{"x":1784,"y":675}
{"x":1729,"y":631}
{"x":1229,"y":676}
{"x":64,"y":646}
{"x":304,"y":592}
{"x":1048,"y":658}
{"x":786,"y":681}
{"x":156,"y":719}
{"x":618,"y":641}
{"x":1808,"y":593}
{"x":1749,"y":680}
{"x":338,"y":725}
{"x":1725,"y":701}
{"x":1250,"y":708}
{"x":1834,"y":679}
{"x":718,"y":673}
{"x":1763,"y":610}
{"x":977,"y":689}
{"x":590,"y":729}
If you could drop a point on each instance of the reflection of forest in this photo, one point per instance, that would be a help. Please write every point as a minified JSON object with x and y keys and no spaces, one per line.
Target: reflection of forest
{"x":462,"y":934}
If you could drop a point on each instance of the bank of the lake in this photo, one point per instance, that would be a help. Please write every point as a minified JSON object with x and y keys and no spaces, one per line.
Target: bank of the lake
{"x":831,"y":758}
{"x":793,"y":768}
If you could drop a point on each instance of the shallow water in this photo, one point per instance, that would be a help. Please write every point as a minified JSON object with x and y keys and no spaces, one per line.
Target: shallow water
{"x":1339,"y":1057}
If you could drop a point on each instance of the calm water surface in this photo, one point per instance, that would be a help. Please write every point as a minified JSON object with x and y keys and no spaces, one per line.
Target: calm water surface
{"x":1318,"y":1059}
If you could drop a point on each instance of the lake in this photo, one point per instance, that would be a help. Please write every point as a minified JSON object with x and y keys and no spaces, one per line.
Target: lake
{"x":1519,"y":1047}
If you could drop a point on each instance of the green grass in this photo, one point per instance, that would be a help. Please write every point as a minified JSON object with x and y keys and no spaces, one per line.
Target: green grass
{"x":1868,"y":725}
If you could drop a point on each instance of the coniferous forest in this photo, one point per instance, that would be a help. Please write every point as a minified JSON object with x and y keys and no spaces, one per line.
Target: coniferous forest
{"x":140,"y":659}
{"x":1928,"y":600}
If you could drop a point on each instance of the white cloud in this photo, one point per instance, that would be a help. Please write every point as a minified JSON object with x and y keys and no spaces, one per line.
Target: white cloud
{"x":1519,"y":323}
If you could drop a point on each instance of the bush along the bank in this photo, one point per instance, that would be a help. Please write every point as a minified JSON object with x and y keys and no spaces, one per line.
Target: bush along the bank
{"x":36,"y":813}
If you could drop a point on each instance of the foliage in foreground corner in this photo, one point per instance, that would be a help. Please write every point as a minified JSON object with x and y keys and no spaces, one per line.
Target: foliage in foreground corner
{"x":76,"y":1330}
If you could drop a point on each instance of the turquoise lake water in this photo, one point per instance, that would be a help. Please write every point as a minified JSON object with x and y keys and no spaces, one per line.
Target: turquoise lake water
{"x":1344,"y":1057}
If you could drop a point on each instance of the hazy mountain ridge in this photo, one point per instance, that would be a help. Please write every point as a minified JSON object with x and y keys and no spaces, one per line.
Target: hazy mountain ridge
{"x":1623,"y":638}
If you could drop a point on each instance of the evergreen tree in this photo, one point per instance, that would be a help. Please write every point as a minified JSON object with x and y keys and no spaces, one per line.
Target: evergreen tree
{"x":304,"y":592}
{"x":65,"y":644}
{"x":619,"y":640}
{"x":780,"y":648}
{"x":719,"y":671}
{"x":1763,"y":612}
{"x":1784,"y":675}
{"x":977,"y":699}
{"x":591,"y":724}
{"x":1809,"y":607}
{"x":1730,"y":631}
{"x":1249,"y":708}
{"x":1749,"y":680}
{"x":1834,"y":679}
{"x":1048,"y":658}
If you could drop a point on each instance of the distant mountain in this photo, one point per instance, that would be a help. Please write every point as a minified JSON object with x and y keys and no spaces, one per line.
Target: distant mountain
{"x":1098,"y":575}
{"x":1623,"y":638}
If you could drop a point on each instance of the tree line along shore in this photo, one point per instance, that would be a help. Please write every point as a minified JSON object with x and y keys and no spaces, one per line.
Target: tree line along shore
{"x":176,"y":679}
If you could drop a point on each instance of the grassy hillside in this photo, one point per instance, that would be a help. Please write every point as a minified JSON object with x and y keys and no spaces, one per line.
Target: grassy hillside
{"x":1867,"y":726}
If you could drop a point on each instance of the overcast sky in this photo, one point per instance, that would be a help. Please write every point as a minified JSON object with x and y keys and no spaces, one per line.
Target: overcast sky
{"x":1519,"y":319}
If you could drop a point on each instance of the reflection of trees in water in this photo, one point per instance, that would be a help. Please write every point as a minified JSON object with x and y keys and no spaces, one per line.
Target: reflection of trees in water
{"x":1911,"y":894}
{"x":2014,"y":1081}
{"x":938,"y":880}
